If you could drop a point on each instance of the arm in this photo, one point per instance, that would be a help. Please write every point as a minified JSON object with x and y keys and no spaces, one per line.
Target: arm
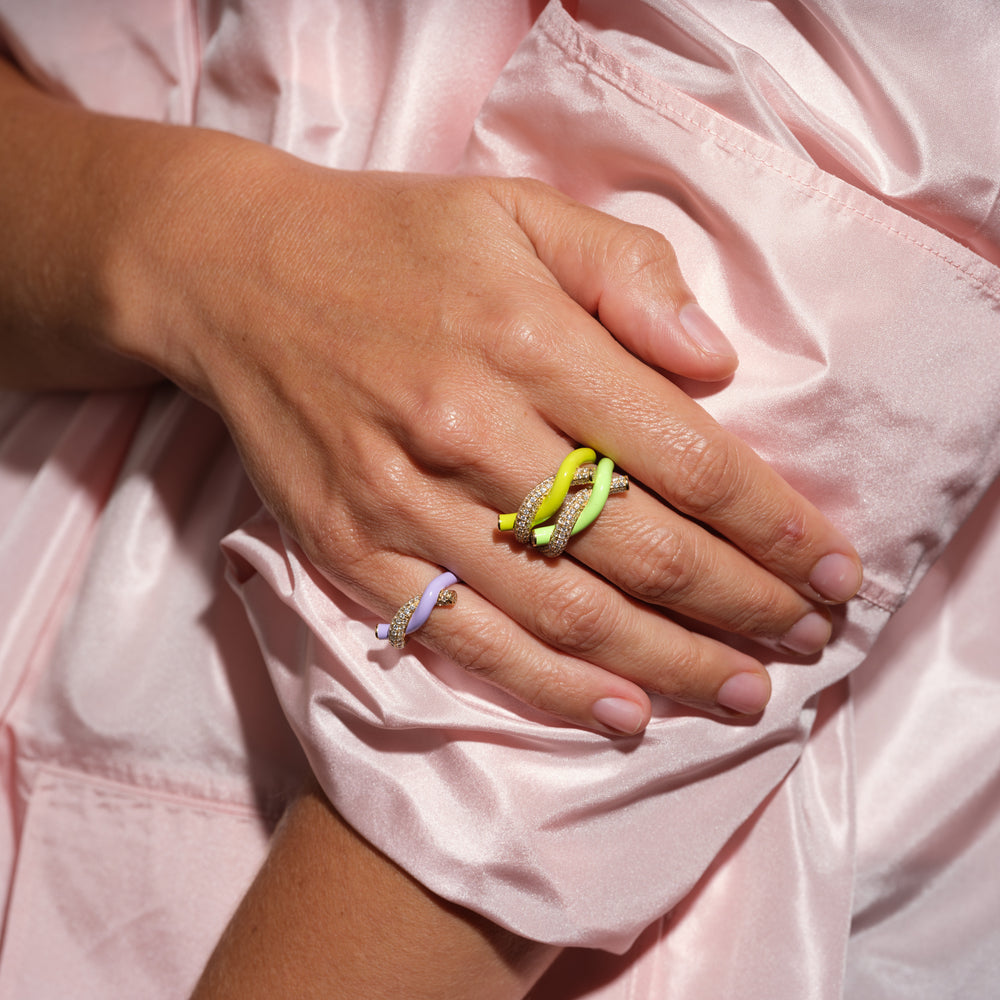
{"x":62,"y":178}
{"x":329,"y":916}
{"x":397,"y":359}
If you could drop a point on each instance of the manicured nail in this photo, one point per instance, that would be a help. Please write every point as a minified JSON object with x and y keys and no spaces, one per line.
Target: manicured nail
{"x":836,"y":578}
{"x":808,"y":635}
{"x":745,"y":693}
{"x":701,"y":329}
{"x":619,"y":714}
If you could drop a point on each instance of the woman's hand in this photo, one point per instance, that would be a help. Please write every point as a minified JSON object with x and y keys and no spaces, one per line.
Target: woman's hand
{"x":399,"y":358}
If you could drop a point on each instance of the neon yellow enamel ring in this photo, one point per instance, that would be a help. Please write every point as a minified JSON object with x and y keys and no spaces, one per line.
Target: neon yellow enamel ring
{"x":573,"y":509}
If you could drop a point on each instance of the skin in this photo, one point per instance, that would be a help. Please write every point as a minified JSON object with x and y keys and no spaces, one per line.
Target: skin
{"x":397,"y":359}
{"x":330,"y":917}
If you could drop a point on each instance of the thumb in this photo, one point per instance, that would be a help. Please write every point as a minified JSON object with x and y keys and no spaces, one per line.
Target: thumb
{"x":626,"y":275}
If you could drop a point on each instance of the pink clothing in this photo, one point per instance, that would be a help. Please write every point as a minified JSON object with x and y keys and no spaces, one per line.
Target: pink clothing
{"x":839,"y":220}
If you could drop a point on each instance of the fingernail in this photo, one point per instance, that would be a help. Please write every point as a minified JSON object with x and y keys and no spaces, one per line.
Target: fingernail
{"x":836,"y":578}
{"x":619,"y":714}
{"x":809,"y":634}
{"x":745,"y":693}
{"x":701,"y":329}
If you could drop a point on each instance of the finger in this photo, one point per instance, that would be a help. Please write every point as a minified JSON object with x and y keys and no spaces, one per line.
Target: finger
{"x":639,"y":543}
{"x":568,"y":611}
{"x":577,"y":613}
{"x":668,"y":442}
{"x":660,"y":558}
{"x":490,"y":645}
{"x":434,"y":515}
{"x":599,"y":645}
{"x":628,"y":276}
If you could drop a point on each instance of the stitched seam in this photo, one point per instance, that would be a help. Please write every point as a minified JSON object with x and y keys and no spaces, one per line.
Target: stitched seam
{"x":135,"y":792}
{"x":874,"y":602}
{"x":665,"y":109}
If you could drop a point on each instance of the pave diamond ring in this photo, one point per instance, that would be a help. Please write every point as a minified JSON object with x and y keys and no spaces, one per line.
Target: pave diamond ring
{"x":574,"y":511}
{"x":417,"y":610}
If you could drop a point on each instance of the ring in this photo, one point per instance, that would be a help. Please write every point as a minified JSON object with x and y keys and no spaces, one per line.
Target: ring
{"x":560,"y":532}
{"x":546,"y":498}
{"x":574,"y":517}
{"x":550,"y":497}
{"x":417,"y":610}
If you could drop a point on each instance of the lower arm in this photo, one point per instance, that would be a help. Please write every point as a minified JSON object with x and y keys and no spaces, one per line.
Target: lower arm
{"x":329,"y":916}
{"x":91,"y":227}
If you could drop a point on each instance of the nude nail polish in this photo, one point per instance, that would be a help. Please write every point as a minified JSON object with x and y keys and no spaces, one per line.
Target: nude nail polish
{"x":835,"y":578}
{"x":808,"y":635}
{"x":703,"y":332}
{"x":745,"y":693}
{"x":619,"y":714}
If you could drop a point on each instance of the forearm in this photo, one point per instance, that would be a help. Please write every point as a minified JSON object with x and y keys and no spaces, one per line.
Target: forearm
{"x":329,"y":916}
{"x":84,"y":197}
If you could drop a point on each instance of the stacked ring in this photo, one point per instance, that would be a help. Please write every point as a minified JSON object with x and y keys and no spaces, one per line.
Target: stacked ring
{"x":605,"y":482}
{"x":417,"y":610}
{"x":550,"y":497}
{"x":545,"y":499}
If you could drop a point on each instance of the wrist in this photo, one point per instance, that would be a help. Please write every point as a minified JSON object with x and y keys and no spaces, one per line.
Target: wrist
{"x":86,"y":200}
{"x":167,"y":260}
{"x":196,"y":263}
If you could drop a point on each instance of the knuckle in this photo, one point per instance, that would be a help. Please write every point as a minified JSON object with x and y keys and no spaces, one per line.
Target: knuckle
{"x":660,"y":568}
{"x":468,"y":646}
{"x":707,"y":473}
{"x":376,"y":500}
{"x":500,"y":662}
{"x":784,"y":540}
{"x":538,"y":684}
{"x":757,"y":610}
{"x":571,"y":619}
{"x":759,"y":620}
{"x":338,"y":547}
{"x":449,"y":432}
{"x":684,"y":675}
{"x":639,"y":251}
{"x":522,"y":345}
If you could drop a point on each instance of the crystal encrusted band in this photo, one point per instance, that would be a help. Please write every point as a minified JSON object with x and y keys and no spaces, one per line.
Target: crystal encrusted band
{"x":606,"y":481}
{"x":553,"y":495}
{"x":417,"y":610}
{"x":575,"y":511}
{"x":529,"y":514}
{"x":566,"y":521}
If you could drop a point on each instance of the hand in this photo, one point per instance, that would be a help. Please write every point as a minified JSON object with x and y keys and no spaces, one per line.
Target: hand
{"x":400,"y":358}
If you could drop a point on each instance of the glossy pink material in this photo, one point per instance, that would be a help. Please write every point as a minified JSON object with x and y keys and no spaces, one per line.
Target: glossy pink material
{"x":835,"y":211}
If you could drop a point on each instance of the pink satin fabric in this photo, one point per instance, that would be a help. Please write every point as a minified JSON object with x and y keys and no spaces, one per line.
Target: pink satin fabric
{"x":835,"y":212}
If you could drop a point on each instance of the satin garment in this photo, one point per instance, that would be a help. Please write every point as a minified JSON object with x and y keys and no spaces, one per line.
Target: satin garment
{"x":838,"y":219}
